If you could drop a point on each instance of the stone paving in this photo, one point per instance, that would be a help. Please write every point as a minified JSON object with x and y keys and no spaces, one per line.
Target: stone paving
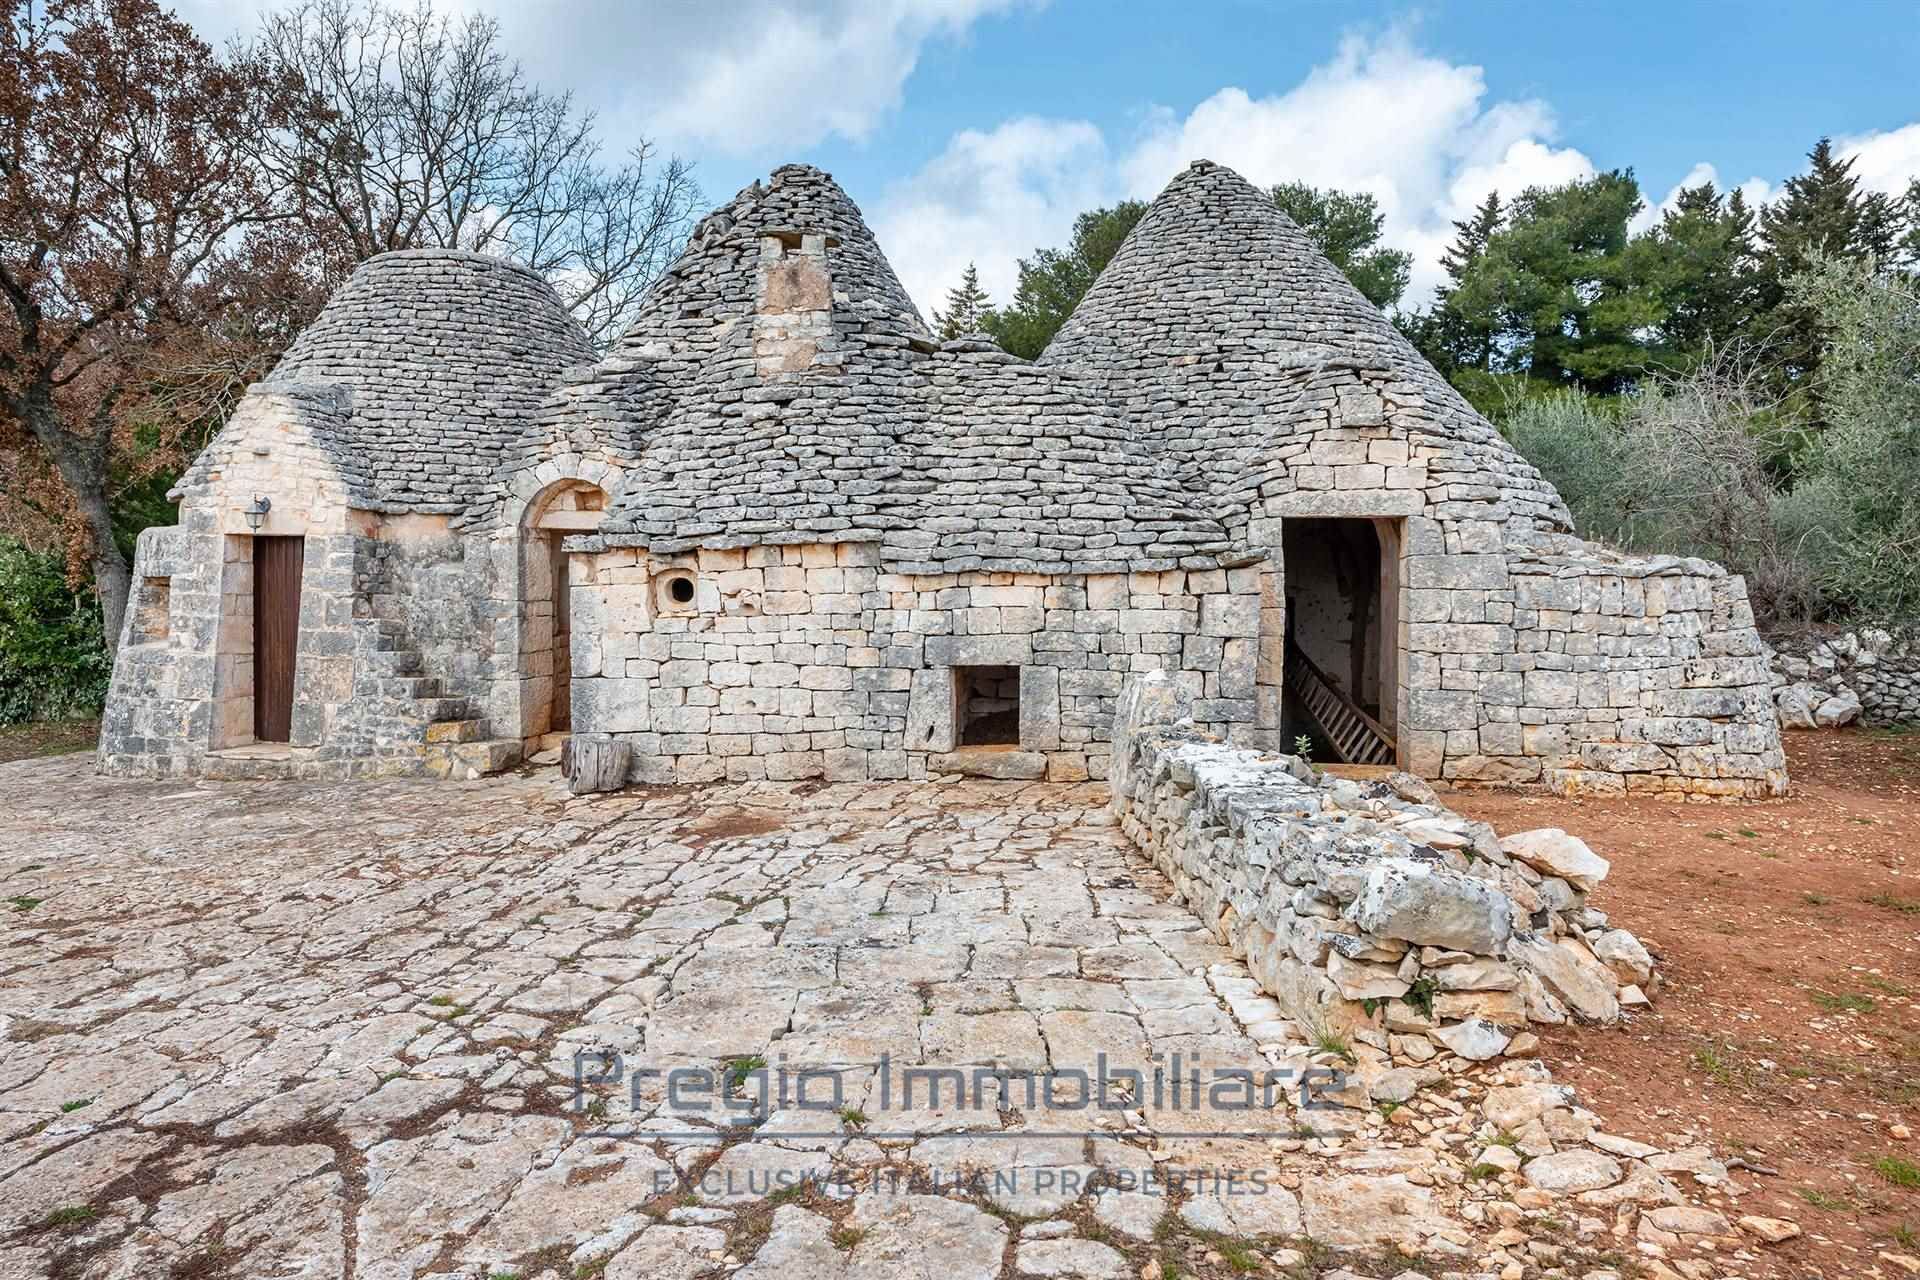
{"x":333,"y":1030}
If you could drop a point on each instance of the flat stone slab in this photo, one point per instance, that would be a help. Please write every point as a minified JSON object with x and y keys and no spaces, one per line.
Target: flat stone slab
{"x":465,"y":1026}
{"x":991,"y":762}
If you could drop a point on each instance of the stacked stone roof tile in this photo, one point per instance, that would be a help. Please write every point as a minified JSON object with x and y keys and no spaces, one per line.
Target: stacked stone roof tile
{"x":438,"y":362}
{"x":780,"y":387}
{"x":1224,"y":333}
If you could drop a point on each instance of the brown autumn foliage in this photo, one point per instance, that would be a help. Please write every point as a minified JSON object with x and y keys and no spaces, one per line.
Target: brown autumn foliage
{"x":171,"y":217}
{"x":127,"y":190}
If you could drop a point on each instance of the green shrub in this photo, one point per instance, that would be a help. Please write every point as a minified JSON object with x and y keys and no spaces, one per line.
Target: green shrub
{"x":1577,"y":443}
{"x":1682,"y":467}
{"x":53,"y":657}
{"x":1860,"y":504}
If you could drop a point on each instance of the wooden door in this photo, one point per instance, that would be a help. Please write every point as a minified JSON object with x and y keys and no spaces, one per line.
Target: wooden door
{"x":277,"y":563}
{"x":1391,"y":652}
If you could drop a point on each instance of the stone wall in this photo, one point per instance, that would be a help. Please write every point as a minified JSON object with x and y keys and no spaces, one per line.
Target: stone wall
{"x":1554,"y":660}
{"x":395,"y":625}
{"x":811,"y":661}
{"x":1824,"y":682}
{"x":1367,"y":909}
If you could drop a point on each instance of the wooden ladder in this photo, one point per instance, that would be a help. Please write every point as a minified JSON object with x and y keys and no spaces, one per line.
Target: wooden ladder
{"x":1356,"y":737}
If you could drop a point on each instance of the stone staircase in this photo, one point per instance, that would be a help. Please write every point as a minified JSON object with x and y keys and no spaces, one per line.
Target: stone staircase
{"x":456,"y":745}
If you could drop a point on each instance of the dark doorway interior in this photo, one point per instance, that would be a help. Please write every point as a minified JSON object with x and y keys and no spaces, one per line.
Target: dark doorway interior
{"x":277,"y":566}
{"x":1341,"y":600}
{"x":987,"y":705}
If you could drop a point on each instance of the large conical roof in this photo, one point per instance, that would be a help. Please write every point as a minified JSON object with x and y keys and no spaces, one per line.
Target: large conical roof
{"x":769,"y":375}
{"x":445,"y":358}
{"x":1226,"y":335}
{"x":780,"y":387}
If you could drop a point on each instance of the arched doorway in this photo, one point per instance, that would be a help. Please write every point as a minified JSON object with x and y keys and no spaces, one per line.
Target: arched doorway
{"x":562,"y":510}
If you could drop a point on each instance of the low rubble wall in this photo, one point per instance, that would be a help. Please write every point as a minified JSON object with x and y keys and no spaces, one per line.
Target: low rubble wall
{"x":1367,"y":908}
{"x":1870,"y":675}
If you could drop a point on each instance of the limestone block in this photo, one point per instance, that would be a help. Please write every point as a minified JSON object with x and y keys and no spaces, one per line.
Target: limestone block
{"x":1437,"y":709}
{"x":611,"y":706}
{"x":930,"y":711}
{"x":1229,"y":615}
{"x":979,"y":651}
{"x":1460,"y":637}
{"x":1429,"y":905}
{"x":1456,"y":572}
{"x":1040,"y":708}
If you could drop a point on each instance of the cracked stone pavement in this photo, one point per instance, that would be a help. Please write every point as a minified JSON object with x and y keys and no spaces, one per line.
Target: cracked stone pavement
{"x":331,"y":1030}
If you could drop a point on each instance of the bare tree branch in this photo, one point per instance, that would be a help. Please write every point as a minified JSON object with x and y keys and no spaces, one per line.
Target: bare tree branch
{"x":425,"y":134}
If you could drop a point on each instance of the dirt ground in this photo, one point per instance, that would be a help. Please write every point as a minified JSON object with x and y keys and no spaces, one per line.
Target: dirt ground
{"x":1789,"y":936}
{"x":47,"y":738}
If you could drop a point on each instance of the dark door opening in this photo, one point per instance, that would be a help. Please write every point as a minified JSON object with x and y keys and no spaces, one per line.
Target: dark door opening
{"x":987,"y":706}
{"x":277,"y":565}
{"x":1342,"y":660}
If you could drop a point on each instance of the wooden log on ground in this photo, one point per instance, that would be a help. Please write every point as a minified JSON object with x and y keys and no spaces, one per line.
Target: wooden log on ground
{"x":594,"y":762}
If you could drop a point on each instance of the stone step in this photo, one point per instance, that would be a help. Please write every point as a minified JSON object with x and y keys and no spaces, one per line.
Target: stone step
{"x":399,"y":662}
{"x":412,"y":686}
{"x":450,"y":731}
{"x":468,"y":760}
{"x":247,"y":766}
{"x":990,"y":762}
{"x":443,"y":708}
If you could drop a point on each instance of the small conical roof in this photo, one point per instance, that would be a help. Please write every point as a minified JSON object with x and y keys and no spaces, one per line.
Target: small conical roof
{"x":444,"y":358}
{"x":1226,"y":334}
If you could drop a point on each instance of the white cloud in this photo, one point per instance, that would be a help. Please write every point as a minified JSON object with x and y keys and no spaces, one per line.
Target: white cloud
{"x":748,"y":77}
{"x":1413,"y":130}
{"x":1885,"y":160}
{"x":989,"y":198}
{"x":775,"y":74}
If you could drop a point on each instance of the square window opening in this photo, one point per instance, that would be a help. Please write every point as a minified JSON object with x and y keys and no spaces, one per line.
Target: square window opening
{"x":987,"y":706}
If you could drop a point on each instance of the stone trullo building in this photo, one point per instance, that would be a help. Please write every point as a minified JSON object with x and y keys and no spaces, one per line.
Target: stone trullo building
{"x":781,"y":531}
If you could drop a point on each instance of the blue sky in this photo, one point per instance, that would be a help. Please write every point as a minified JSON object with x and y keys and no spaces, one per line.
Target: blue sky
{"x":976,"y":129}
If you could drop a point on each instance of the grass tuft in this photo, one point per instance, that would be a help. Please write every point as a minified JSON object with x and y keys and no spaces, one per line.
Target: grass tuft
{"x":1898,"y":1170}
{"x":1844,"y":1002}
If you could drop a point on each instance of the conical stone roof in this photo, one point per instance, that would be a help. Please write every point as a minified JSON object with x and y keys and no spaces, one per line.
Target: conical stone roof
{"x":780,"y":387}
{"x":1226,"y":336}
{"x":444,"y":358}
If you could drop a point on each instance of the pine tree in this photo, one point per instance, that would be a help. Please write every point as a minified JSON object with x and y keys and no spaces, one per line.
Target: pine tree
{"x":1821,"y":213}
{"x":1448,"y":338}
{"x":1910,"y":242}
{"x":1702,"y":262}
{"x":967,"y":307}
{"x":1471,"y":236}
{"x":1346,"y":226}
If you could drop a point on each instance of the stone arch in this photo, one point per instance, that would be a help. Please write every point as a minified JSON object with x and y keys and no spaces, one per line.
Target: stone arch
{"x":559,"y":499}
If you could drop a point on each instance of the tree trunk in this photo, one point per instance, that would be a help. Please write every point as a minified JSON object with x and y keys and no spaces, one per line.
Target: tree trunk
{"x":84,"y":465}
{"x":594,"y":762}
{"x":112,"y":575}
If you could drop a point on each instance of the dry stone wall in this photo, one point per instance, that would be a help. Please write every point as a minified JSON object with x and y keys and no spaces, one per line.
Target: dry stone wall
{"x":1542,"y":658}
{"x":1368,"y":909}
{"x":1871,"y":675}
{"x":813,"y":661}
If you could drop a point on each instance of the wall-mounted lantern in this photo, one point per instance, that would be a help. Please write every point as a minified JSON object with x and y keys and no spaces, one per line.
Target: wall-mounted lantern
{"x":256,"y":511}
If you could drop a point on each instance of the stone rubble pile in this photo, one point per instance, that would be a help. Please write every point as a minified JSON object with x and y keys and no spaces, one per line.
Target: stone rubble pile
{"x":1869,"y":675}
{"x":1367,"y":909}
